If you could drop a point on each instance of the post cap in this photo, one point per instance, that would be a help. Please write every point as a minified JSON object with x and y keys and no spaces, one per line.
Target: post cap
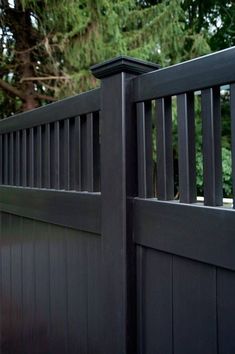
{"x":122,"y":64}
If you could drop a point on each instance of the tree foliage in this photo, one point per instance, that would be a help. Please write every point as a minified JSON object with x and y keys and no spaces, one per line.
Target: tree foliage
{"x":48,"y":46}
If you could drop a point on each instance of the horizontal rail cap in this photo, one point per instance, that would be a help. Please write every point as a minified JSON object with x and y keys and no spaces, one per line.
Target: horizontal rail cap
{"x":122,"y":64}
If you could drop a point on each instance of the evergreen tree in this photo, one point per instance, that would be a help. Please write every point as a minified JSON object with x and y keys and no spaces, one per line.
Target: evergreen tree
{"x":48,"y":46}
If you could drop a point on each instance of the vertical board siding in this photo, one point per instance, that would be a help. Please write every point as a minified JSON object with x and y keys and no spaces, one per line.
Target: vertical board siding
{"x":139,"y":299}
{"x":211,"y":134}
{"x":94,"y":314}
{"x":226,"y":311}
{"x":144,"y":145}
{"x":17,"y":286}
{"x":165,"y":174}
{"x":156,"y":303}
{"x":187,"y":155}
{"x":6,"y":303}
{"x":194,"y":307}
{"x":42,"y":288}
{"x":77,"y":294}
{"x":177,"y":305}
{"x":28,"y":286}
{"x":58,"y":293}
{"x":50,"y":288}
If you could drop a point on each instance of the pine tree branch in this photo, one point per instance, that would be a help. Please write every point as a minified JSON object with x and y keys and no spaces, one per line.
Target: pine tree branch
{"x":46,"y":98}
{"x":42,"y":78}
{"x":13,"y":91}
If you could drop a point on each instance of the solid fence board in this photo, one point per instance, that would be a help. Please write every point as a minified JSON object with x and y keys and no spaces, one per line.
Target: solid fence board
{"x":42,"y":285}
{"x":94,"y":253}
{"x":226,"y":310}
{"x":15,"y":228}
{"x":157,"y":303}
{"x":28,"y":290}
{"x":6,"y":303}
{"x":77,"y":293}
{"x":139,"y":298}
{"x":58,"y":292}
{"x":194,"y":307}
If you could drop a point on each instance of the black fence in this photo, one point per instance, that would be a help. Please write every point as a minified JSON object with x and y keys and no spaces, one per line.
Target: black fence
{"x":105,"y":247}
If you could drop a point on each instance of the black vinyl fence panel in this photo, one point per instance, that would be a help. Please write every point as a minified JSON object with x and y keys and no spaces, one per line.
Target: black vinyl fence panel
{"x":105,"y":246}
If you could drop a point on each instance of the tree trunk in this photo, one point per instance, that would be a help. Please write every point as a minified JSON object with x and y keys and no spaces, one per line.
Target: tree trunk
{"x":20,"y":24}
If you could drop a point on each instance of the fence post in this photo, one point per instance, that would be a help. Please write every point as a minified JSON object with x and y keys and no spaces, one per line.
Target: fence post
{"x":118,"y":182}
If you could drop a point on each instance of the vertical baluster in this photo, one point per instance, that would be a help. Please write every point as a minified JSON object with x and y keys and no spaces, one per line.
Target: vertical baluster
{"x":55,"y":155}
{"x":76,"y":178}
{"x":1,"y":160}
{"x":96,"y":151}
{"x":186,"y":136}
{"x":212,"y":162}
{"x":24,"y":157}
{"x":38,"y":157}
{"x":65,"y":156}
{"x":89,"y":158}
{"x":232,"y":109}
{"x":17,"y":159}
{"x":144,"y":146}
{"x":11,"y":159}
{"x":165,"y":174}
{"x":46,"y":156}
{"x":72,"y":154}
{"x":31,"y":153}
{"x":6,"y":162}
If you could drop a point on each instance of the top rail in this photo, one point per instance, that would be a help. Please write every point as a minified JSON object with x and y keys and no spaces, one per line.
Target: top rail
{"x":70,"y":107}
{"x":207,"y":71}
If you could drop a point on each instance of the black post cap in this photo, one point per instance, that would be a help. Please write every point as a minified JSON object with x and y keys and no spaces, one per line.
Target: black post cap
{"x":122,"y":64}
